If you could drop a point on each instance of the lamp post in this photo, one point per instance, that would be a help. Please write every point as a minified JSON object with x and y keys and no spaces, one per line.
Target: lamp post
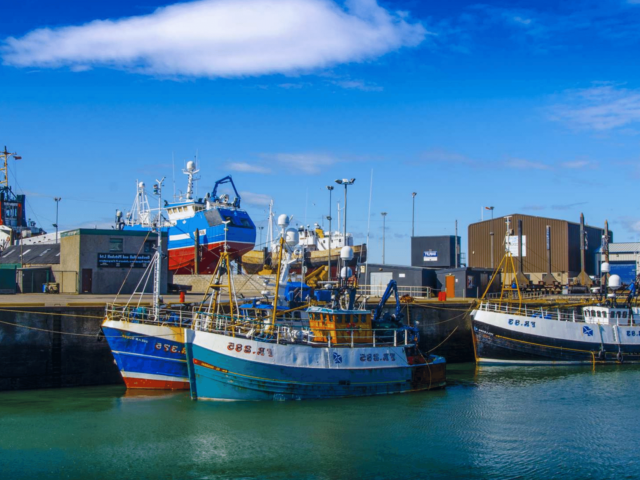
{"x":384,"y":218}
{"x":330,"y":188}
{"x":413,"y":213}
{"x":57,"y":200}
{"x":346,"y":182}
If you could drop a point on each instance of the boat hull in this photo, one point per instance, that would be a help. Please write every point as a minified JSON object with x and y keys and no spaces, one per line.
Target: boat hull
{"x":506,"y":339}
{"x":227,"y":368}
{"x":148,"y":356}
{"x":182,"y":259}
{"x":254,"y":261}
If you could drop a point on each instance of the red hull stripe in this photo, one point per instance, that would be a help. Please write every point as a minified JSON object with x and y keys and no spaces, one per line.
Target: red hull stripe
{"x":155,"y":384}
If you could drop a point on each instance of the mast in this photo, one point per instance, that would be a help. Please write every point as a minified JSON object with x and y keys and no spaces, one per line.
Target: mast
{"x":270,"y":226}
{"x":4,"y":171}
{"x":191,"y":171}
{"x":157,"y":189}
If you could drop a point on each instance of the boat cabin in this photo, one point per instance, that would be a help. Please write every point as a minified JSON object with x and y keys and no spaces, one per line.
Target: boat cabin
{"x":338,"y":325}
{"x":180,"y":211}
{"x":607,"y":315}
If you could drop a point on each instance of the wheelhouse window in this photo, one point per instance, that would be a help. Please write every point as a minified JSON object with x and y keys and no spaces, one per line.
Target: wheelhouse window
{"x":116,"y":245}
{"x":148,"y":246}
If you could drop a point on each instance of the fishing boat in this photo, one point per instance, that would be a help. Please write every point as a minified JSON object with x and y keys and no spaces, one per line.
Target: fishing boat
{"x":602,"y":329}
{"x":342,"y":352}
{"x":148,"y":343}
{"x":196,"y":226}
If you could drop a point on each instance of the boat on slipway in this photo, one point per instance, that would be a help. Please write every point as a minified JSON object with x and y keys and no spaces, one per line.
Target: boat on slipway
{"x":604,"y":330}
{"x":196,"y":226}
{"x":316,"y":247}
{"x":341,"y":352}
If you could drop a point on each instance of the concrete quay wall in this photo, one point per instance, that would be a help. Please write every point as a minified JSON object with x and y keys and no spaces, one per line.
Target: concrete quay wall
{"x":445,"y":328}
{"x":57,"y":346}
{"x":52,"y":347}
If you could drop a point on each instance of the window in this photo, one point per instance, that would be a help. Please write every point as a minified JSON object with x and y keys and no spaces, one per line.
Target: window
{"x":624,"y":314}
{"x":115,"y":245}
{"x":148,"y":246}
{"x":598,"y":312}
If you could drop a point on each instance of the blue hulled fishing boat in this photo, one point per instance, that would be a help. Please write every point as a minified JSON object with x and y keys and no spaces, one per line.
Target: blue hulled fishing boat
{"x":342,"y":352}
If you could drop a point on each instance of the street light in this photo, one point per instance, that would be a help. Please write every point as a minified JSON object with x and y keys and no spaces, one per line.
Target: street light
{"x":57,"y":200}
{"x":384,"y":217}
{"x":330,"y":188}
{"x":346,"y":182}
{"x":413,"y":212}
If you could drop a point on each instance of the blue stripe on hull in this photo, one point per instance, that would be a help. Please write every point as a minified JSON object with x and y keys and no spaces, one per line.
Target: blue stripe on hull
{"x":237,"y":379}
{"x":138,"y":353}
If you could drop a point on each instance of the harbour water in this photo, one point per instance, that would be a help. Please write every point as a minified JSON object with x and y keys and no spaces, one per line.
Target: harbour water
{"x":495,"y":422}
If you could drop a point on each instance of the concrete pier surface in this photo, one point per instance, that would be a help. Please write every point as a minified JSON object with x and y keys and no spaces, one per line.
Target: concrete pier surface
{"x":71,"y":300}
{"x":51,"y":341}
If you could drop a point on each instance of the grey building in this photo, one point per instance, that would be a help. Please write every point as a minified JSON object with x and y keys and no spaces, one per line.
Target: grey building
{"x":378,"y":277}
{"x":110,"y":261}
{"x":435,"y":252}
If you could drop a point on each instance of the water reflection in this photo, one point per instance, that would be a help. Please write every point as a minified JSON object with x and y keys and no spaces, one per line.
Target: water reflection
{"x":491,"y":422}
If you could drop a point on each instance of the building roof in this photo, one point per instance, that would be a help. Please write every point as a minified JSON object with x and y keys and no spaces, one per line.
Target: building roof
{"x":623,"y":247}
{"x":31,"y":254}
{"x":112,"y":232}
{"x":544,"y":218}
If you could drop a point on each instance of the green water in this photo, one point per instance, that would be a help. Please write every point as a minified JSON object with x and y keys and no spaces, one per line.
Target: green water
{"x":566,"y":422}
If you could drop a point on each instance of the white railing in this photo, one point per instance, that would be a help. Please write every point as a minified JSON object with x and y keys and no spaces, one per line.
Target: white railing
{"x":513,"y":294}
{"x":378,"y":291}
{"x":264,"y":331}
{"x":533,"y":312}
{"x":143,"y":314}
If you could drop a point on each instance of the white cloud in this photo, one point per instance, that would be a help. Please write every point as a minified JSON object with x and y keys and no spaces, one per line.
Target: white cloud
{"x":306,"y":163}
{"x":247,"y":167}
{"x":601,"y":107}
{"x":256,"y":199}
{"x":223,"y":38}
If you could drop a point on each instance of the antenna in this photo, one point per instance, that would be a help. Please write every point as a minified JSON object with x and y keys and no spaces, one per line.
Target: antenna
{"x":173,"y":167}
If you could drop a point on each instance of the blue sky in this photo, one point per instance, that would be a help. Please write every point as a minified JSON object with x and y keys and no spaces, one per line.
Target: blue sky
{"x":529,"y":106}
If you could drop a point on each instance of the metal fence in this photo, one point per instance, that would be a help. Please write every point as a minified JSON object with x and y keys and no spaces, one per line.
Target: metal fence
{"x":378,"y":291}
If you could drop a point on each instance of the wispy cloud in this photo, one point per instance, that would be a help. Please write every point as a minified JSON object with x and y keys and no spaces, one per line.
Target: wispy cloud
{"x":631,"y":224}
{"x":255,"y":199}
{"x":305,"y":163}
{"x":566,"y":206}
{"x":357,"y":85}
{"x":602,"y":107}
{"x":440,"y":155}
{"x":223,"y":38}
{"x":579,"y":164}
{"x":247,"y":167}
{"x":526,"y":164}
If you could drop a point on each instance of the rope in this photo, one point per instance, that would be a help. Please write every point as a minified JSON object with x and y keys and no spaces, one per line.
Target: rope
{"x":448,"y":336}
